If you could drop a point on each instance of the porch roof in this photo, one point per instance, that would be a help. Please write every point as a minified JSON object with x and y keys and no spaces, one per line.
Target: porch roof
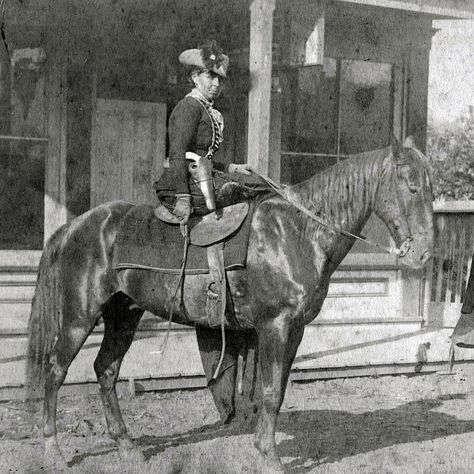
{"x":462,"y":9}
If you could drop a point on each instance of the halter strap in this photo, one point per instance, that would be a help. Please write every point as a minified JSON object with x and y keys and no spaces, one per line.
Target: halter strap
{"x":406,"y":243}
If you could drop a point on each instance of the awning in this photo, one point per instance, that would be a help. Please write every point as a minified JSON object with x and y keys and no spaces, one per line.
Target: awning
{"x":461,"y":9}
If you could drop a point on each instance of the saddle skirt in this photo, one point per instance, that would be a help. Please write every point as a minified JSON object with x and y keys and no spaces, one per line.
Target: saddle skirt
{"x":145,"y":242}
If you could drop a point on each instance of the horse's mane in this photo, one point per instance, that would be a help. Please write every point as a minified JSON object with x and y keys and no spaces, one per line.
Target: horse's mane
{"x":346,"y":189}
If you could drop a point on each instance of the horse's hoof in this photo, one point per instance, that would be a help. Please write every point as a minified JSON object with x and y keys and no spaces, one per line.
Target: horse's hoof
{"x":55,"y":464}
{"x":53,"y":457}
{"x":129,"y":453}
{"x":271,"y":466}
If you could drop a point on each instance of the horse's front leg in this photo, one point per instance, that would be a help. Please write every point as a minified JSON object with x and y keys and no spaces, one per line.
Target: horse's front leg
{"x":278,"y":341}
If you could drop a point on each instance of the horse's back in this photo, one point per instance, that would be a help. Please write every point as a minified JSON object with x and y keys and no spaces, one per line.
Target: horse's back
{"x":88,"y":237}
{"x":107,"y":214}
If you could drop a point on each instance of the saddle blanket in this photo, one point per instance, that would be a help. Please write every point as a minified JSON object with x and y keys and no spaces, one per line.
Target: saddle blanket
{"x":145,"y":242}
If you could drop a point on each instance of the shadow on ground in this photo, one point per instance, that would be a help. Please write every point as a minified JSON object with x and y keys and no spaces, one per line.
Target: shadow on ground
{"x":317,"y":437}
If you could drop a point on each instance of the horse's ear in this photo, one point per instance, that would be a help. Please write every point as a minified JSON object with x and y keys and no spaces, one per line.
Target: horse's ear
{"x":396,"y":147}
{"x":409,"y":142}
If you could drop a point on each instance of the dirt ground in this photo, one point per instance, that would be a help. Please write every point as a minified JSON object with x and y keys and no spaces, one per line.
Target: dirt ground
{"x":400,"y":424}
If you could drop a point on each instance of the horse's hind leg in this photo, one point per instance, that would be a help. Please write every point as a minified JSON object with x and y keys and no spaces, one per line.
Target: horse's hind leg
{"x":278,"y":341}
{"x":71,"y":338}
{"x":120,"y":321}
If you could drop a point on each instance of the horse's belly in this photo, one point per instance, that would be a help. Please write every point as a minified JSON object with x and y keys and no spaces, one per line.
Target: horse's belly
{"x":155,"y":292}
{"x":198,"y":304}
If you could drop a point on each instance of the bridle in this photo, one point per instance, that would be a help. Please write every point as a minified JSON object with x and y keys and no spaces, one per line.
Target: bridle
{"x":405,"y":245}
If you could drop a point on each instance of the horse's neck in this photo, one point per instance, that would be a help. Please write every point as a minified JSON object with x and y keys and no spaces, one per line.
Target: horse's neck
{"x":344,"y":194}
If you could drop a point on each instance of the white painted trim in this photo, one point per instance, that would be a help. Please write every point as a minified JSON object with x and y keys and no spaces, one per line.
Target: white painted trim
{"x":416,"y":8}
{"x":19,"y":258}
{"x":448,"y":207}
{"x":369,"y":260}
{"x":55,"y":211}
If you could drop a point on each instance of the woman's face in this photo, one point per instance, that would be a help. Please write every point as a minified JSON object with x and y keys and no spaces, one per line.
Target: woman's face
{"x":208,"y":83}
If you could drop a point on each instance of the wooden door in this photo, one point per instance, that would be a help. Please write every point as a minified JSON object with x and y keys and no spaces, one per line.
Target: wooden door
{"x":127,"y":151}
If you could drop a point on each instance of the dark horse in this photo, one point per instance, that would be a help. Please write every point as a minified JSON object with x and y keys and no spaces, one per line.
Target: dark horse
{"x":290,"y":260}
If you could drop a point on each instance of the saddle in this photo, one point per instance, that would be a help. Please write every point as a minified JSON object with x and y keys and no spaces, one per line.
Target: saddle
{"x":233,"y":193}
{"x":210,"y":232}
{"x":213,"y":227}
{"x":218,"y":242}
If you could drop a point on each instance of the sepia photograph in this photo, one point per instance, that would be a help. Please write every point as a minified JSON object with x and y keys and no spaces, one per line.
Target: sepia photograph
{"x":237,"y":236}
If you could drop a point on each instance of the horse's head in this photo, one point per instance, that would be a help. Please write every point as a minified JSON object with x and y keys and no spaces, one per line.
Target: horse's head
{"x":404,"y":202}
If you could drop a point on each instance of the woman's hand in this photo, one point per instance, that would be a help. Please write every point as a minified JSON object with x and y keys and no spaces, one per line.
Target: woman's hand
{"x":238,"y":168}
{"x":182,"y":207}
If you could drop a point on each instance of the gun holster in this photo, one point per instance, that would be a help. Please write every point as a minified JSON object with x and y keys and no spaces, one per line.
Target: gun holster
{"x":200,"y":168}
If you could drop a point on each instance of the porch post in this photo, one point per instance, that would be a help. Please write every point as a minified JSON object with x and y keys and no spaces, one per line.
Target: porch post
{"x":260,"y":68}
{"x":418,"y":66}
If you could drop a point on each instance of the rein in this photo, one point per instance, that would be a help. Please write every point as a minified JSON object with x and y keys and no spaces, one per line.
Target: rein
{"x":280,"y":190}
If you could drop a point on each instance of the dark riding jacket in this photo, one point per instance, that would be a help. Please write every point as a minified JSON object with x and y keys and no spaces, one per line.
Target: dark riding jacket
{"x":190,"y":129}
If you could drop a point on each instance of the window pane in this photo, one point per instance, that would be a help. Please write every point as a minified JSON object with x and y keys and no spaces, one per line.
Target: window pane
{"x":309,"y":121}
{"x":365,"y":121}
{"x":22,"y":173}
{"x":22,"y":196}
{"x":311,"y":110}
{"x":366,"y":106}
{"x":22,"y":93}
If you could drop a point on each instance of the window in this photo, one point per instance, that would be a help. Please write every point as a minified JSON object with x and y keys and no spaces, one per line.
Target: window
{"x":341,"y":108}
{"x":332,"y":111}
{"x":365,"y":106}
{"x":22,"y":148}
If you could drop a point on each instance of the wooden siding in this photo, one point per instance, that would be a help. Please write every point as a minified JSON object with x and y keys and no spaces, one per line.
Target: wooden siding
{"x":128,"y":150}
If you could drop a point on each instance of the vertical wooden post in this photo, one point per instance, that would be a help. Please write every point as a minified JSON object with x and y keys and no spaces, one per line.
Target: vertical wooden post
{"x":260,"y":68}
{"x":5,"y":93}
{"x":274,"y":148}
{"x":307,"y":30}
{"x":418,"y":85}
{"x":414,"y":122}
{"x":55,"y":210}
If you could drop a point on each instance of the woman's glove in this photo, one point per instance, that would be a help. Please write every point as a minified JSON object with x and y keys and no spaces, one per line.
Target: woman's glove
{"x":237,"y":168}
{"x":182,"y":207}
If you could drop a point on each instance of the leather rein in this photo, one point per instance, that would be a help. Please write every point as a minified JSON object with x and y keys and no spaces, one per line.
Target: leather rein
{"x":281,"y":191}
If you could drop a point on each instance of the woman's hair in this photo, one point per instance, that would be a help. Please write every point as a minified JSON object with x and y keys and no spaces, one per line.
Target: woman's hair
{"x":191,"y":72}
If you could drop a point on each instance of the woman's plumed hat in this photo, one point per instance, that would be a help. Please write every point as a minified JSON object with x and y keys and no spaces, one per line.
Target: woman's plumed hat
{"x":208,"y":56}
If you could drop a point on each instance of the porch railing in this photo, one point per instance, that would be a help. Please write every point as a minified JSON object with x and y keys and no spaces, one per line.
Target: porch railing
{"x":447,"y":275}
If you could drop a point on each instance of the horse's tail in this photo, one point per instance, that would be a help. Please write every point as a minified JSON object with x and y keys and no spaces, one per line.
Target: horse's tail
{"x":45,"y":318}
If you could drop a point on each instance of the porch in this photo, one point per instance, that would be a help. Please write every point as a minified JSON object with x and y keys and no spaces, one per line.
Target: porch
{"x":88,"y":90}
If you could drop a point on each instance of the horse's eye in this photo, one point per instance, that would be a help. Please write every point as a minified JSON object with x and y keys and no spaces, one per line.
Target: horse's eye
{"x":413,"y":189}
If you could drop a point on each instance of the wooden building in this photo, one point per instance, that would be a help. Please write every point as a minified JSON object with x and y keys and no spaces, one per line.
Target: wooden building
{"x":85,"y":91}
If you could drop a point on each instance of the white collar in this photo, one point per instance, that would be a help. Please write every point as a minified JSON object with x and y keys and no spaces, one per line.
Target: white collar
{"x":199,"y":96}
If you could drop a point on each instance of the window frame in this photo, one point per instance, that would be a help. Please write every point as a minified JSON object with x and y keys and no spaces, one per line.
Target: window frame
{"x":55,"y":139}
{"x":398,"y":124}
{"x":394,"y":113}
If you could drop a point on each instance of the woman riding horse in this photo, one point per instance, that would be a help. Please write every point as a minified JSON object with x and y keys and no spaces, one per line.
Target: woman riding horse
{"x":290,"y":259}
{"x":196,"y":126}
